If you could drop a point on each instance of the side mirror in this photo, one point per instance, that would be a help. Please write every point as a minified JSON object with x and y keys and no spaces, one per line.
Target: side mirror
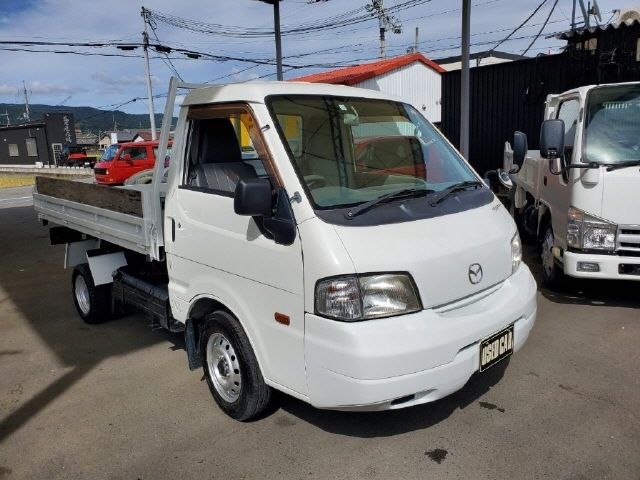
{"x":127,"y":157}
{"x":552,"y":139}
{"x":253,"y":198}
{"x":520,"y":148}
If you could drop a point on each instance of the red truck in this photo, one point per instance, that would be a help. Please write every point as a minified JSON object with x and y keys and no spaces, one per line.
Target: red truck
{"x":131,"y":158}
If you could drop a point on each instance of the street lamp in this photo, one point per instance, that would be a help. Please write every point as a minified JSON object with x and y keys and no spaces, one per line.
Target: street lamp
{"x":276,"y":22}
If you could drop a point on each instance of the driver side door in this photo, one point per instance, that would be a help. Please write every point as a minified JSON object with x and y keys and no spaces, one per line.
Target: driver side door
{"x":556,"y":190}
{"x":214,"y":252}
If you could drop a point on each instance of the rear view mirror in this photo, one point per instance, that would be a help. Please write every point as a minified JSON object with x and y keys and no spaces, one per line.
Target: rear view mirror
{"x":253,"y":197}
{"x":350,"y":115}
{"x":520,"y":148}
{"x":552,"y":139}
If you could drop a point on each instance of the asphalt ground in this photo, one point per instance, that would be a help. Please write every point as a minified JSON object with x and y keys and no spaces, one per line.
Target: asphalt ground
{"x":117,"y":400}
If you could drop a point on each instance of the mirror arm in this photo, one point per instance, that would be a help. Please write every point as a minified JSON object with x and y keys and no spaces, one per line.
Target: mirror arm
{"x":281,"y":225}
{"x":564,"y":170}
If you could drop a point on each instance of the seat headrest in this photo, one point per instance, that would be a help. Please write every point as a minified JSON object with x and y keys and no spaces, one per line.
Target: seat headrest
{"x":218,"y":141}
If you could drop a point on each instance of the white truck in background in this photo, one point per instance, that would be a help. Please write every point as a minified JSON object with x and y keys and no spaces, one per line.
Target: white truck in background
{"x":321,"y":240}
{"x":579,"y":195}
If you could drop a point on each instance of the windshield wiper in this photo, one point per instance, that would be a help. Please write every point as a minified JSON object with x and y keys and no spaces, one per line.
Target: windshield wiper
{"x":405,"y":193}
{"x":616,"y":166}
{"x":457,"y":187}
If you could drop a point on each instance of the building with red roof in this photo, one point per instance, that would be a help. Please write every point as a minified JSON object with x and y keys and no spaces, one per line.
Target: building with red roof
{"x":413,"y":77}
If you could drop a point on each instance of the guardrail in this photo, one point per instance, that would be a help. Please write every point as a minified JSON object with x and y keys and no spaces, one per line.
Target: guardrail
{"x":45,"y":170}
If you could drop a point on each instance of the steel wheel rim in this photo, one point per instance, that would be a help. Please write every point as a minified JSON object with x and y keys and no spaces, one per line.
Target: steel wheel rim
{"x":548,"y":263}
{"x":82,"y":295}
{"x":224,"y":368}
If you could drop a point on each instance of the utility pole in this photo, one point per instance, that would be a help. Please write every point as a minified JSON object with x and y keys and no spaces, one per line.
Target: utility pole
{"x":415,"y":47}
{"x":379,"y":6}
{"x":385,"y":22}
{"x":464,"y":80}
{"x":147,"y":70}
{"x":26,"y":101}
{"x":276,"y":25}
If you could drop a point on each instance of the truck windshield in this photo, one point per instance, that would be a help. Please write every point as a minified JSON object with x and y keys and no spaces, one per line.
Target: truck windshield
{"x":349,"y":151}
{"x":612,"y":125}
{"x":109,"y":153}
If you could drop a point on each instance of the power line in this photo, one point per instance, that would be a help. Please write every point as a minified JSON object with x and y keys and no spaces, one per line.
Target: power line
{"x":348,"y":18}
{"x":536,"y":10}
{"x":553,"y":7}
{"x":168,"y":61}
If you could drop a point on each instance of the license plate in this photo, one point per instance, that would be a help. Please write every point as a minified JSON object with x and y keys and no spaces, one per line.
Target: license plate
{"x":496,"y":348}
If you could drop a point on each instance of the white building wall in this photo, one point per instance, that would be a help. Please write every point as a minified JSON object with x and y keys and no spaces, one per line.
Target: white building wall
{"x":418,"y":84}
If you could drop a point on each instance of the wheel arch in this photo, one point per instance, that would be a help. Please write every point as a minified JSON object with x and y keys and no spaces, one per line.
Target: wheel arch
{"x":544,"y":217}
{"x":201,"y":306}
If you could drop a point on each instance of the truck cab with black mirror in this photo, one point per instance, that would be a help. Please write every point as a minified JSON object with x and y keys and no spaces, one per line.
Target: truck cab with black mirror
{"x":575,"y":196}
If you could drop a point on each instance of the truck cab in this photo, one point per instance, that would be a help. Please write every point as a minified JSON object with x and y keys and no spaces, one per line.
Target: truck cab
{"x":576,"y":196}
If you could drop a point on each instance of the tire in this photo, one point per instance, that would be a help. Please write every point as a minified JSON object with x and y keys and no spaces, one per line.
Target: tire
{"x":552,"y":274}
{"x":92,"y":303}
{"x":231,"y":368}
{"x":523,"y":221}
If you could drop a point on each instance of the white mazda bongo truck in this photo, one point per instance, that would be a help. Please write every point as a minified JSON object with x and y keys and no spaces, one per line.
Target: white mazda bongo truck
{"x":320,"y":240}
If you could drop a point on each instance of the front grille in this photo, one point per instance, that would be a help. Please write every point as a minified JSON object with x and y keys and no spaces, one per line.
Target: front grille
{"x":628,"y":239}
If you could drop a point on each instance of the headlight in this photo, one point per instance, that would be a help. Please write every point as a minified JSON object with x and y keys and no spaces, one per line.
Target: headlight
{"x":351,"y":298}
{"x":516,"y":252}
{"x":587,"y":232}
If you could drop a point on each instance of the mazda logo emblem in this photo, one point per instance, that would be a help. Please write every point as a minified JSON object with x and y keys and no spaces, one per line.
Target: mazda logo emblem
{"x":475,"y":273}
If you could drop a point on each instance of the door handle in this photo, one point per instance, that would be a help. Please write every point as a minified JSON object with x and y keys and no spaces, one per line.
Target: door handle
{"x":173,"y":230}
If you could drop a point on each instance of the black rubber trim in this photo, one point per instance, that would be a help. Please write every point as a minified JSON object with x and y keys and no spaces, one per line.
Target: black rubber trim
{"x":212,"y":191}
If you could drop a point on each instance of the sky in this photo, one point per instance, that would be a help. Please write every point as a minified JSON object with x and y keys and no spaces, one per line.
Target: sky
{"x":110,"y":81}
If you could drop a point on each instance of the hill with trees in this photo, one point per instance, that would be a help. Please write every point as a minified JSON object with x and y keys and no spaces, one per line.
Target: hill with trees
{"x":88,"y":119}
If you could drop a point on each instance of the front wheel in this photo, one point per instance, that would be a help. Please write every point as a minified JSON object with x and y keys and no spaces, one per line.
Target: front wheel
{"x":231,"y":368}
{"x":552,"y":275}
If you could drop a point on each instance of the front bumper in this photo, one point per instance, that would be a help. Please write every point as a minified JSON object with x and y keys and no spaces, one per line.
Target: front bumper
{"x":612,"y":267}
{"x":104,"y":180}
{"x":412,"y":359}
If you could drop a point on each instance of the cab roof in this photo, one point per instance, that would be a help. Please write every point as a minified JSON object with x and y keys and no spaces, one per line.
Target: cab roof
{"x":582,"y":91}
{"x":256,"y":92}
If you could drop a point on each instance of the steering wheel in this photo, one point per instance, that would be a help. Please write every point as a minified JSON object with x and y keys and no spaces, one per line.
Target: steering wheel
{"x":315,"y":181}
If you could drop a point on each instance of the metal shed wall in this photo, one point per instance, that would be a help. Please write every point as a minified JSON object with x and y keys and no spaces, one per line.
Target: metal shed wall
{"x":418,"y":84}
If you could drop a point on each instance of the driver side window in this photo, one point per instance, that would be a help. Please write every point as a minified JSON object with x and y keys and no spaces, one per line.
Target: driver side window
{"x":568,"y":112}
{"x":134,"y":153}
{"x":222,"y":150}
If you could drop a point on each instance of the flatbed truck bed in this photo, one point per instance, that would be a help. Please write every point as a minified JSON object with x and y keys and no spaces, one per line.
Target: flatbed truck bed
{"x":119,"y":215}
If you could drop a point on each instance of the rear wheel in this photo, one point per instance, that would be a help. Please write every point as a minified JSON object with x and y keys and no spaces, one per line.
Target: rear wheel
{"x":552,"y":275}
{"x":231,"y":368}
{"x":525,"y":219}
{"x":92,"y":303}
